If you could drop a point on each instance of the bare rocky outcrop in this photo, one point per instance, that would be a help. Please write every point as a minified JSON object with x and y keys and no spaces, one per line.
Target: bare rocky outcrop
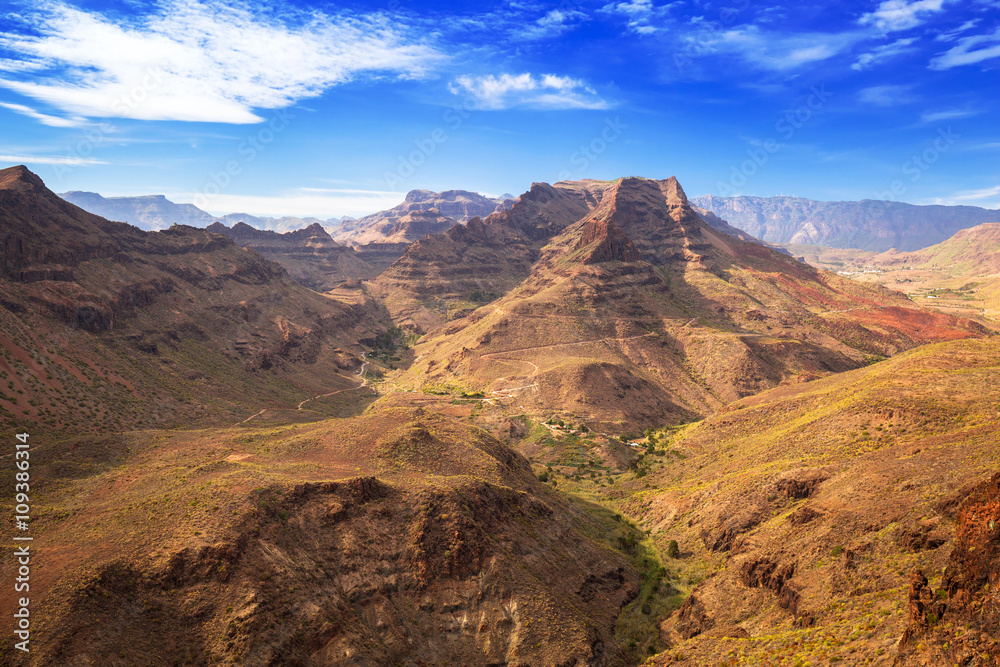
{"x":769,"y":574}
{"x":957,"y":623}
{"x":210,"y":315}
{"x":609,"y":243}
{"x":692,"y":619}
{"x":364,"y":570}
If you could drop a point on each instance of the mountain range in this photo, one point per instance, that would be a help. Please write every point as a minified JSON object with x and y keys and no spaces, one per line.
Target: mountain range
{"x":420,"y":213}
{"x":599,"y":425}
{"x":602,"y":290}
{"x":960,"y":275}
{"x":156,"y":212}
{"x":309,"y":255}
{"x":869,"y":224}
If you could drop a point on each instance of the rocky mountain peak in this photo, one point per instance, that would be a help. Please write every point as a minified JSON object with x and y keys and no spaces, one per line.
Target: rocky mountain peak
{"x":20,"y":178}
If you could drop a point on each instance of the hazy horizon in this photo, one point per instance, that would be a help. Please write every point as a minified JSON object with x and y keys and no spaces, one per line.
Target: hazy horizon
{"x":329,"y":110}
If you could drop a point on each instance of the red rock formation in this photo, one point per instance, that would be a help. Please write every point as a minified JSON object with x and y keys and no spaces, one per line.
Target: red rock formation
{"x":609,"y":243}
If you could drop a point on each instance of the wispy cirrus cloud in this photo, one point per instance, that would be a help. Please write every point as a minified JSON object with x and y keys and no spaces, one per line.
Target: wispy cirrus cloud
{"x":48,"y":159}
{"x":775,"y":51}
{"x":198,"y":60}
{"x":548,"y":91}
{"x":984,"y":197}
{"x":894,"y":15}
{"x":973,"y":195}
{"x":889,"y":95}
{"x":43,"y":118}
{"x":641,"y":15}
{"x":947,"y":114}
{"x":952,"y":35}
{"x":552,"y":24}
{"x":969,"y":51}
{"x":882,"y":53}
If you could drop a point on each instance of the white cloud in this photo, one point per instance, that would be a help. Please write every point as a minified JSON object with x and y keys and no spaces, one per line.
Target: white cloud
{"x":969,"y":51}
{"x":977,"y":196}
{"x":886,"y":96}
{"x":553,"y":24}
{"x":884,"y":52}
{"x":970,"y":195}
{"x":198,"y":60}
{"x":42,"y":159}
{"x":953,"y":35}
{"x":774,"y":51}
{"x":44,"y":119}
{"x":298,"y":203}
{"x":948,"y":114}
{"x":509,"y":90}
{"x":894,"y":15}
{"x":638,"y":13}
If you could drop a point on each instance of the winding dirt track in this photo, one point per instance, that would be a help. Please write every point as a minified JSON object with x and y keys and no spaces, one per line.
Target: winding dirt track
{"x":364,"y":383}
{"x":534,"y":367}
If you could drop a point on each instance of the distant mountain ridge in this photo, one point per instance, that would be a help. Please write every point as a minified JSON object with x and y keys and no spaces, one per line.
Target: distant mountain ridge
{"x":867,"y":224}
{"x":156,"y":212}
{"x":422,"y":212}
{"x":309,"y":254}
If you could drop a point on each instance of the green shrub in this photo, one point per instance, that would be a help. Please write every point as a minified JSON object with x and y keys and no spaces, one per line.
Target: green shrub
{"x":673,"y":550}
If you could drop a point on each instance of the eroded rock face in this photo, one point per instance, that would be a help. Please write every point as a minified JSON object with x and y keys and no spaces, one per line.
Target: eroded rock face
{"x":959,"y":623}
{"x":769,"y":574}
{"x":609,"y":242}
{"x":692,"y":619}
{"x":361,"y":572}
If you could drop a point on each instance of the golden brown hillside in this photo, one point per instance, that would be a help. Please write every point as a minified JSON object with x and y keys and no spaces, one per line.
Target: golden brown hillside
{"x":959,"y":276}
{"x":803,"y":512}
{"x":639,"y":314}
{"x":397,"y":537}
{"x":105,"y":327}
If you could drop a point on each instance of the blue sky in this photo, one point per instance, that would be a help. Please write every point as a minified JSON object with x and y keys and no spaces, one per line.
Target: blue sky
{"x":333,"y":109}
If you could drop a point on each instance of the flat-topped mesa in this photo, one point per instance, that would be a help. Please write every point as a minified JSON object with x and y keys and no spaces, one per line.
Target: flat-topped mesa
{"x":656,"y":216}
{"x":422,"y":212}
